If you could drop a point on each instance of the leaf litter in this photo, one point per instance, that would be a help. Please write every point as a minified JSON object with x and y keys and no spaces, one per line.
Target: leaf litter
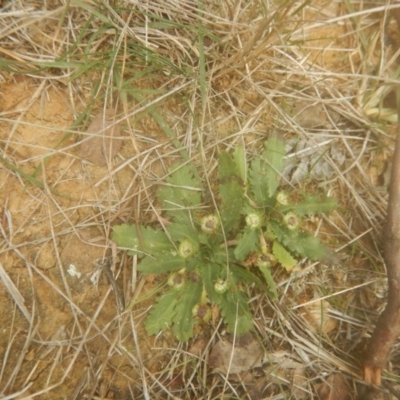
{"x":228,"y":357}
{"x":102,"y":141}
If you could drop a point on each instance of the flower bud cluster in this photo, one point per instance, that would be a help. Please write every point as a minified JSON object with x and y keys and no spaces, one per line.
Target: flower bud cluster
{"x":254,"y":220}
{"x":210,"y":224}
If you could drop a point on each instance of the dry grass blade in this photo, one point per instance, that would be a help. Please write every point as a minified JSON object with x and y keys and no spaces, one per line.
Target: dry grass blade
{"x":15,"y":294}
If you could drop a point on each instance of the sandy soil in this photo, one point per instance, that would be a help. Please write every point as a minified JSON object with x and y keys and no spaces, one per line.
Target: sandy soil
{"x":55,"y":227}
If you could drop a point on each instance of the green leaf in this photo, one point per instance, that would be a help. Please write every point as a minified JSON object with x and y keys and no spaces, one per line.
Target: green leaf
{"x":218,"y":255}
{"x":236,"y":312}
{"x":265,"y":171}
{"x":150,"y":241}
{"x":239,"y":156}
{"x":209,"y":274}
{"x":311,"y":247}
{"x":183,"y":321}
{"x":183,"y":191}
{"x":181,"y":231}
{"x":231,"y":189}
{"x":300,"y":243}
{"x":161,"y":314}
{"x":274,"y":153}
{"x":187,"y":184}
{"x":312,"y":205}
{"x":258,"y":181}
{"x":226,"y":166}
{"x":247,"y":243}
{"x":232,"y":200}
{"x":242,"y":275}
{"x":266,"y":271}
{"x":283,"y":256}
{"x":174,"y":309}
{"x":161,"y":263}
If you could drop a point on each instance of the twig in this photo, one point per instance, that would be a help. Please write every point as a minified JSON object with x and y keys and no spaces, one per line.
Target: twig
{"x":388,"y":326}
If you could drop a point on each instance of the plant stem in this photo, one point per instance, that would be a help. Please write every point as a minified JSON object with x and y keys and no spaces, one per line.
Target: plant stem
{"x":388,"y":326}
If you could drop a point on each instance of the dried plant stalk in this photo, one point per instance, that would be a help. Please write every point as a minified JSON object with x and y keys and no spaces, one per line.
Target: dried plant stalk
{"x":15,"y":293}
{"x":388,"y":325}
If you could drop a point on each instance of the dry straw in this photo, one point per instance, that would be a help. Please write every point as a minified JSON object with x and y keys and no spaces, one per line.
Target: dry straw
{"x":187,"y":79}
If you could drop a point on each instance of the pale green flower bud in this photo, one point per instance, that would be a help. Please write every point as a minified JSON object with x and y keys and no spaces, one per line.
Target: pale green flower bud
{"x":186,"y":248}
{"x":282,"y":198}
{"x":292,"y":220}
{"x":221,"y":286}
{"x":254,"y":220}
{"x":210,"y":224}
{"x":177,"y":279}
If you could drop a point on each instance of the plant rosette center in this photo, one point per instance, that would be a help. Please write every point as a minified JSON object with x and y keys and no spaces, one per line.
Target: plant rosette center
{"x":187,"y":249}
{"x":210,"y":224}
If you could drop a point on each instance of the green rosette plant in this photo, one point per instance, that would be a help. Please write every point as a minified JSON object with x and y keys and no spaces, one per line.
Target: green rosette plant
{"x":209,"y":259}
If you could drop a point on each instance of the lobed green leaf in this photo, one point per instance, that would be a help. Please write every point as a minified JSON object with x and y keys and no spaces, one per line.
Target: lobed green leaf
{"x":244,"y":276}
{"x":258,"y":181}
{"x":209,"y":274}
{"x":232,"y":200}
{"x":300,"y":243}
{"x":265,"y":171}
{"x":149,"y":241}
{"x":161,"y":263}
{"x":161,"y":314}
{"x":179,"y":231}
{"x":236,"y":312}
{"x":227,"y":166}
{"x":239,"y":156}
{"x":247,"y":243}
{"x":283,"y":256}
{"x":312,"y":205}
{"x":266,"y":272}
{"x":274,"y":155}
{"x":184,"y":191}
{"x":183,"y":321}
{"x":311,"y":247}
